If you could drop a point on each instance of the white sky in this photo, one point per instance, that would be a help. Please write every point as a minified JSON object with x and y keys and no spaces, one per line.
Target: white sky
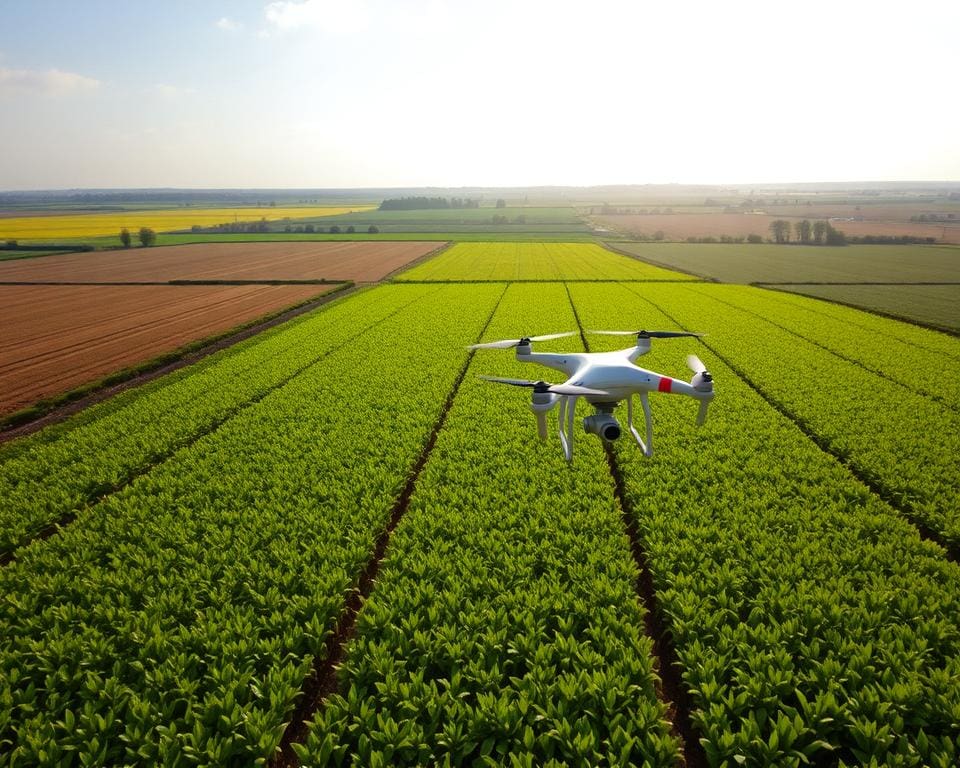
{"x":317,"y":93}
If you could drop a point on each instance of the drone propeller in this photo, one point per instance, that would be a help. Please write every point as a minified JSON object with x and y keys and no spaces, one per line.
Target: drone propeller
{"x":507,"y":343}
{"x":542,"y":387}
{"x":647,"y":334}
{"x":702,"y":382}
{"x":696,"y":365}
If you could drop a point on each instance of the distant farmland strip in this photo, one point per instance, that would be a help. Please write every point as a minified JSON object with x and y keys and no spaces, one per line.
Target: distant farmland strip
{"x":362,"y":262}
{"x":175,"y":622}
{"x":904,"y":444}
{"x":504,"y":627}
{"x":534,"y":261}
{"x":55,"y":473}
{"x":811,"y":622}
{"x":55,"y":227}
{"x":57,"y":338}
{"x":765,"y":263}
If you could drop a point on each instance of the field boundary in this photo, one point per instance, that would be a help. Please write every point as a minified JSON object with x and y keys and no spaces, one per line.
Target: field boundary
{"x":160,"y":459}
{"x":54,"y":410}
{"x":554,"y":281}
{"x":322,"y":682}
{"x":863,"y":282}
{"x":653,"y":263}
{"x":417,"y":261}
{"x":318,"y":281}
{"x":670,"y":689}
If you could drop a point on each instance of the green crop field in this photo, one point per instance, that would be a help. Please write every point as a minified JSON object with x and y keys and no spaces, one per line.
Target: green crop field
{"x":436,"y":216}
{"x":534,"y":261}
{"x":334,"y":544}
{"x":25,"y":254}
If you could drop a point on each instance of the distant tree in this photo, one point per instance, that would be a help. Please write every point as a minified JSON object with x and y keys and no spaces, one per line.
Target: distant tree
{"x":659,"y":235}
{"x":334,"y":230}
{"x":373,"y":229}
{"x":521,"y":219}
{"x":351,"y":229}
{"x":754,"y":238}
{"x":309,"y":228}
{"x":288,"y":228}
{"x":11,"y":244}
{"x":125,"y":238}
{"x":803,"y":230}
{"x":501,"y":203}
{"x":781,"y":230}
{"x":147,"y":237}
{"x":835,"y":236}
{"x":819,"y":231}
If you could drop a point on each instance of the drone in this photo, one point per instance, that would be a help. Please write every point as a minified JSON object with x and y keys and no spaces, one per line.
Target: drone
{"x":603,"y":379}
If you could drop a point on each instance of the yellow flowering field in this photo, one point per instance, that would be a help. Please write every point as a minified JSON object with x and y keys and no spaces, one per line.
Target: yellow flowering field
{"x":96,"y":224}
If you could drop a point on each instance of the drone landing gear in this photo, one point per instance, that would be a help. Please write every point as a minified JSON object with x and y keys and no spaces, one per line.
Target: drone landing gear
{"x":568,"y":405}
{"x":646,"y":447}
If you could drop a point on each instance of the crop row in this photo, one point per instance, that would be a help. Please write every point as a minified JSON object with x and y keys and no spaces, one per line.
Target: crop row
{"x":54,"y":473}
{"x":914,"y":335}
{"x":878,"y":349}
{"x":535,"y":261}
{"x":810,"y":621}
{"x":505,"y":626}
{"x":903,"y":443}
{"x":174,"y":622}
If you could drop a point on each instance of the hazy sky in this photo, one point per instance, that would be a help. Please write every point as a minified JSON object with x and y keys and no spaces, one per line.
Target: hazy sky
{"x":352,"y":93}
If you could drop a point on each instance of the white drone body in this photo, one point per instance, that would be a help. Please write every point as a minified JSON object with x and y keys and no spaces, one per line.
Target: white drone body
{"x":603,"y":379}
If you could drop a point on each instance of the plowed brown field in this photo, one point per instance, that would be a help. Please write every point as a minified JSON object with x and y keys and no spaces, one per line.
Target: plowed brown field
{"x":359,"y":261}
{"x":56,"y":338}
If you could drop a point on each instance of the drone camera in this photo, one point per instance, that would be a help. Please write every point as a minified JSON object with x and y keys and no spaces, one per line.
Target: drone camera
{"x":603,"y":425}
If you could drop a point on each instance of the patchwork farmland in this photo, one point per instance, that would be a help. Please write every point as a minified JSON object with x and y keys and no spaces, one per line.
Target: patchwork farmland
{"x":333,"y":544}
{"x":73,"y":319}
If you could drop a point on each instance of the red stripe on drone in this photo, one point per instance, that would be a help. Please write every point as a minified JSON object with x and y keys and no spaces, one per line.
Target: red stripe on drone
{"x":665,"y":384}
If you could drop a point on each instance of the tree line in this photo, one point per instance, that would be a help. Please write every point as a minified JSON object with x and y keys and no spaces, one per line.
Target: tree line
{"x":146,"y":236}
{"x":807,"y":232}
{"x":423,"y":203}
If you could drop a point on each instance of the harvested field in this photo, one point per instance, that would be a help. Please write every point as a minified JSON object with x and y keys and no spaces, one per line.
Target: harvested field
{"x":57,"y":338}
{"x":358,"y":261}
{"x":680,"y":226}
